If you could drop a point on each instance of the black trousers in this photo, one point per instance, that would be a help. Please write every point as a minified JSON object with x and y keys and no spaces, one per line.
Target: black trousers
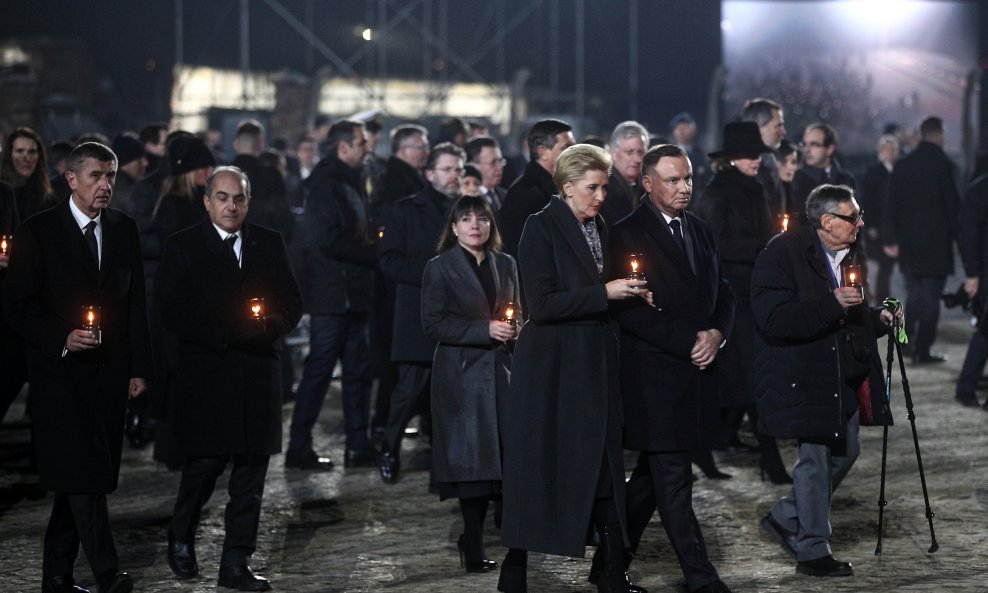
{"x":664,"y":481}
{"x":243,"y":511}
{"x":78,"y":519}
{"x":413,"y":382}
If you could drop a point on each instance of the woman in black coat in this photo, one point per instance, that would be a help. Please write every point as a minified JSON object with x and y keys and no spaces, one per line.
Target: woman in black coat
{"x":466,"y":292}
{"x":735,"y":207}
{"x":562,"y":419}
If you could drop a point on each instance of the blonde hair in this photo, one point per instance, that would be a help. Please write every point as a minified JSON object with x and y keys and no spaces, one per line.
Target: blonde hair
{"x":577,"y":160}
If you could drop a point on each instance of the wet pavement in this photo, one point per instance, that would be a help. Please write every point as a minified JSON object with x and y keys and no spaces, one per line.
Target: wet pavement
{"x":347,"y":531}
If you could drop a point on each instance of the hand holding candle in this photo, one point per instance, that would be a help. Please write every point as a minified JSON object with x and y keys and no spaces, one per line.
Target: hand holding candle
{"x":635,"y":268}
{"x":256,"y":308}
{"x":851,"y":274}
{"x":504,"y":326}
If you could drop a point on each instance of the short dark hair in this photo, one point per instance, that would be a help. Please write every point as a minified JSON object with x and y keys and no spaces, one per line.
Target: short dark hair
{"x":341,"y":131}
{"x":441,"y":149}
{"x":824,"y":199}
{"x":251,"y":128}
{"x":89,"y":150}
{"x":759,"y":110}
{"x":786,"y":148}
{"x":544,"y":133}
{"x":404,"y":132}
{"x":471,"y":171}
{"x":450,"y":128}
{"x":829,"y":133}
{"x":474,"y":147}
{"x":469,"y":205}
{"x":657,"y":153}
{"x":930,"y":126}
{"x":151,"y":133}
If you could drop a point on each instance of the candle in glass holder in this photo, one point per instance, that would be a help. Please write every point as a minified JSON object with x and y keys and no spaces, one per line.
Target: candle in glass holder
{"x":380,"y":232}
{"x":4,"y":245}
{"x":852,"y":277}
{"x":508,"y":312}
{"x":785,"y":223}
{"x":635,"y":271}
{"x":256,"y":308}
{"x":91,"y":321}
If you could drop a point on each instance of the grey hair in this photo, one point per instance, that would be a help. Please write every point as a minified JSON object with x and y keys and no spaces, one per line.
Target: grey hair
{"x":628,"y":129}
{"x":227,"y":169}
{"x":760,"y":110}
{"x":824,"y":200}
{"x":886,"y":139}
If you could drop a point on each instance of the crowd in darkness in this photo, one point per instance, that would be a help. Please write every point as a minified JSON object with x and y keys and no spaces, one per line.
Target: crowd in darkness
{"x":527,"y":308}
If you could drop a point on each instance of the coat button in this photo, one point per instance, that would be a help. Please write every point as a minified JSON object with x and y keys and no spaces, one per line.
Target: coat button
{"x":835,"y":395}
{"x":793,"y":385}
{"x":833,"y":348}
{"x":835,"y":435}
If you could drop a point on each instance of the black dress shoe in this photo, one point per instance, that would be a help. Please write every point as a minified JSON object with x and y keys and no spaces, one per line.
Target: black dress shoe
{"x":242,"y":578}
{"x":308,"y":461}
{"x":967,"y":399}
{"x":62,"y":584}
{"x":779,"y":534}
{"x":182,"y":558}
{"x":360,"y":457}
{"x":717,"y":586}
{"x":826,"y":566}
{"x":929,"y":358}
{"x":390,"y":467}
{"x":118,"y":582}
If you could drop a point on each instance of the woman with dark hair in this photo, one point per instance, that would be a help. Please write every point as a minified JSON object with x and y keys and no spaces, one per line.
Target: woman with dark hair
{"x":469,"y":306}
{"x":789,"y":158}
{"x":735,"y":206}
{"x":562,"y":418}
{"x":24,"y":166}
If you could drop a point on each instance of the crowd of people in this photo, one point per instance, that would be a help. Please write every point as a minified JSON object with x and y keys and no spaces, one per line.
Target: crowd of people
{"x":540,"y":317}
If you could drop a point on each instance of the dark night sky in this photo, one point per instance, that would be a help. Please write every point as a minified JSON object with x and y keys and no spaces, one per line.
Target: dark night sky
{"x":679,"y":44}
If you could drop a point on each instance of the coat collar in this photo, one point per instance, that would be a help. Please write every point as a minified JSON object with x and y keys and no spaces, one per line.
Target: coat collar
{"x":569,"y":226}
{"x":466,"y":277}
{"x":656,"y":228}
{"x":78,"y":250}
{"x":536,"y":175}
{"x":216,"y":246}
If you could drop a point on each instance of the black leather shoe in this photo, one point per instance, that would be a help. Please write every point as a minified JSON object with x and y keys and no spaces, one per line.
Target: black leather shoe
{"x":390,"y":467}
{"x":717,"y":586}
{"x":360,"y":457}
{"x":967,"y":399}
{"x":242,"y":578}
{"x":779,"y":534}
{"x":182,"y":558}
{"x":62,"y":584}
{"x":826,"y":566}
{"x":117,"y":583}
{"x":308,"y":461}
{"x":597,"y":566}
{"x":929,"y":358}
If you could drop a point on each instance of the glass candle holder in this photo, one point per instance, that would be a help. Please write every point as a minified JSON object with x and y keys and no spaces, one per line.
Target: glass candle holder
{"x":255,"y":307}
{"x":635,"y":268}
{"x":508,"y":312}
{"x":851,"y":274}
{"x":4,"y":244}
{"x":784,"y":225}
{"x":91,"y":315}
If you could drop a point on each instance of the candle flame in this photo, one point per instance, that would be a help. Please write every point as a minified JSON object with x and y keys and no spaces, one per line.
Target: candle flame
{"x":3,"y":245}
{"x":509,"y":313}
{"x":256,"y":309}
{"x":785,"y":223}
{"x":634,"y":265}
{"x":380,"y":234}
{"x":90,"y":317}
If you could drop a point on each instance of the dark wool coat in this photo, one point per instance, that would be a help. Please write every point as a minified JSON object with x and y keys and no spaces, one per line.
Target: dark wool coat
{"x":227,"y":386}
{"x":409,"y":242}
{"x":669,"y":404}
{"x":79,"y":400}
{"x":809,"y":351}
{"x":400,"y":180}
{"x":562,"y":416}
{"x":621,"y":199}
{"x":973,"y":239}
{"x":526,"y":196}
{"x":924,"y":221}
{"x":469,"y":370}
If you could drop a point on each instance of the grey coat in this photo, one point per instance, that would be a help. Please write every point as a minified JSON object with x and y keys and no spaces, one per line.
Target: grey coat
{"x":469,"y":369}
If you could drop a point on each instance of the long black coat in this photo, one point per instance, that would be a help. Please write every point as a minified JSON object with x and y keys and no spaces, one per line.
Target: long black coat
{"x":408,"y":244}
{"x":924,"y":221}
{"x":79,"y":399}
{"x":226,"y":389}
{"x":621,"y":199}
{"x":973,"y":239}
{"x":809,"y":178}
{"x":669,"y":404}
{"x":339,"y":259}
{"x":469,"y":370}
{"x":526,"y":196}
{"x":809,"y":350}
{"x":399,"y":181}
{"x":562,"y":416}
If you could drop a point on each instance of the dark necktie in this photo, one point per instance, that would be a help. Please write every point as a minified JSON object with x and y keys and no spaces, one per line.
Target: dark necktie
{"x":677,"y":234}
{"x":230,"y":242}
{"x":90,"y":235}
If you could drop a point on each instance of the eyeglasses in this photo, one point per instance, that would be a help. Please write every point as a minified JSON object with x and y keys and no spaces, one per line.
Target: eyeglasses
{"x":459,"y":170}
{"x":851,"y":219}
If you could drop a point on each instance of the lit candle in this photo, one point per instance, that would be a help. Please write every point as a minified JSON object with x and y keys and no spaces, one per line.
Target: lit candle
{"x":257,"y":308}
{"x":91,"y":321}
{"x":785,"y":222}
{"x":635,"y":267}
{"x":380,"y":232}
{"x":852,"y":277}
{"x":509,"y":312}
{"x":3,"y":245}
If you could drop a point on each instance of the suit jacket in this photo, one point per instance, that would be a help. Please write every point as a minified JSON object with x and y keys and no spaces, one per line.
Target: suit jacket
{"x":78,"y":399}
{"x":469,"y":369}
{"x":527,"y":195}
{"x":227,"y":386}
{"x":409,"y":242}
{"x":562,"y":416}
{"x":669,"y":404}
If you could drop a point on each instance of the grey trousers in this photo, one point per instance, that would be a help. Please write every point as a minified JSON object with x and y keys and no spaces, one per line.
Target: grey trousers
{"x":819,"y":470}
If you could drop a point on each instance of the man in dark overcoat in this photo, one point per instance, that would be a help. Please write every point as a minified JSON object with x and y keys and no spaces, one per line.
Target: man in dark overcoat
{"x":820,"y":165}
{"x":78,"y":254}
{"x":409,"y":243}
{"x":227,"y":388}
{"x":816,"y":355}
{"x":921,"y":231}
{"x":627,"y":145}
{"x":667,"y":353}
{"x":973,"y":243}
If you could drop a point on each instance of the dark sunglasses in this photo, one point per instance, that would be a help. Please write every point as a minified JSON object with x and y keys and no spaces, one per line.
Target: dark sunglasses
{"x":851,"y":219}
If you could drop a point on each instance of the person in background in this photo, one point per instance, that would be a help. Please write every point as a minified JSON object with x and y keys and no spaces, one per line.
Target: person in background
{"x":875,"y":199}
{"x":627,"y":147}
{"x":24,"y":166}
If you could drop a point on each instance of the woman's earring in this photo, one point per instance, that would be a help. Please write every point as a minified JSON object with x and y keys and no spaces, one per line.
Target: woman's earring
{"x":732,"y":164}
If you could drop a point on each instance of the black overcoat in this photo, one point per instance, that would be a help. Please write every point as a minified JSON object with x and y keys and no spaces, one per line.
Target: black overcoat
{"x":562,"y":416}
{"x":669,"y":404}
{"x":621,"y":199}
{"x":78,"y":399}
{"x":973,"y":239}
{"x":226,"y":389}
{"x":924,"y":221}
{"x":469,"y":370}
{"x":409,"y":242}
{"x":400,"y":180}
{"x":526,"y":196}
{"x":809,"y":350}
